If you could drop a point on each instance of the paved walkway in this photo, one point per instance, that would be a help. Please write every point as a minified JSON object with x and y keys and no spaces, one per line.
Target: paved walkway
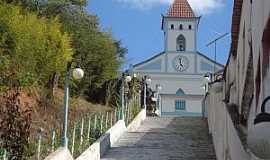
{"x":165,"y":139}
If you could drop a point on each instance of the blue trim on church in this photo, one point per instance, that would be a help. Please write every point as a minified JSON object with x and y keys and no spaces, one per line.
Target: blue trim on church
{"x":207,"y":67}
{"x":220,"y":65}
{"x":180,"y":92}
{"x":152,"y":66}
{"x":148,"y":60}
{"x":180,"y":114}
{"x":198,"y":53}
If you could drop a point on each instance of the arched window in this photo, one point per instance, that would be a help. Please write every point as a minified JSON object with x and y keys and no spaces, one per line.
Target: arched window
{"x":181,"y":43}
{"x":181,"y":27}
{"x":172,"y":26}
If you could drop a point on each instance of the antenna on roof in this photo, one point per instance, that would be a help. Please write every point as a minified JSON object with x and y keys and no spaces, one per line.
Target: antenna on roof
{"x":215,"y":43}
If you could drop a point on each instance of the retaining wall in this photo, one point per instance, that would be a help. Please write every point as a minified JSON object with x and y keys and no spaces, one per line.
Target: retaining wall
{"x":104,"y":143}
{"x":226,"y":140}
{"x":60,"y":154}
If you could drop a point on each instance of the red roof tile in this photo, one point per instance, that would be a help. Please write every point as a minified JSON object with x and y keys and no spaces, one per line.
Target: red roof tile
{"x":236,"y":20}
{"x":181,"y":9}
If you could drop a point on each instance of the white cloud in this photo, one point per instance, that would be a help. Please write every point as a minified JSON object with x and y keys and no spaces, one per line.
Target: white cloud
{"x":199,"y":6}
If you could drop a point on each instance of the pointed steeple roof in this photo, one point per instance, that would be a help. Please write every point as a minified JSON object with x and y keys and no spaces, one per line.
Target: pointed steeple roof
{"x":181,"y":9}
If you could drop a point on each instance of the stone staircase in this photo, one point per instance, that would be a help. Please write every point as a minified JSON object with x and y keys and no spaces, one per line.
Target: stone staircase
{"x":165,"y":139}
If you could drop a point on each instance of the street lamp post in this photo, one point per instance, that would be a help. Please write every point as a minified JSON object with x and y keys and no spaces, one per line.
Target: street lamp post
{"x":208,"y":78}
{"x":77,"y":74}
{"x":158,"y":89}
{"x":124,"y":79}
{"x":147,"y":81}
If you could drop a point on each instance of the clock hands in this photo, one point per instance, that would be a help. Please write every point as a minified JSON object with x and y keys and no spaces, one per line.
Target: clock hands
{"x":180,"y":62}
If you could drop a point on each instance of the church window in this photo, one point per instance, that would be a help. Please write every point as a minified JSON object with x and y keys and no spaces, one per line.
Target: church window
{"x":181,"y":43}
{"x":180,"y":105}
{"x":172,"y":26}
{"x":180,"y":92}
{"x":181,"y":27}
{"x":190,"y":27}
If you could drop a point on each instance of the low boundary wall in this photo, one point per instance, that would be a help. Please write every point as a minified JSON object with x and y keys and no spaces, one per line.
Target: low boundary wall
{"x":136,"y":123}
{"x":60,"y":153}
{"x":226,"y":140}
{"x":104,"y":143}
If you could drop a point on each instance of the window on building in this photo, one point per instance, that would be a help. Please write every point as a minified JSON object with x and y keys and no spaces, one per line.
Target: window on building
{"x":181,"y":43}
{"x":172,"y":26}
{"x":180,"y":105}
{"x":181,"y":27}
{"x":190,"y":27}
{"x":180,"y":92}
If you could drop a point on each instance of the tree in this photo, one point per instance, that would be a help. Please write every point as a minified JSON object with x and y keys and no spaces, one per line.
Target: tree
{"x":32,"y":48}
{"x":97,"y":52}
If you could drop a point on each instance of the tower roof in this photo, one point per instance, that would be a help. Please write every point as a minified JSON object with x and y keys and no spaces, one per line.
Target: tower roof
{"x":181,"y":9}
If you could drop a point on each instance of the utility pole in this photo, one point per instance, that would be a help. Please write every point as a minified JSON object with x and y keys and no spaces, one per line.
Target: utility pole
{"x":215,"y":43}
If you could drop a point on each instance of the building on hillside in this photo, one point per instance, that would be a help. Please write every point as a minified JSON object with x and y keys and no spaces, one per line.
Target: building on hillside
{"x":246,"y":85}
{"x":180,"y":68}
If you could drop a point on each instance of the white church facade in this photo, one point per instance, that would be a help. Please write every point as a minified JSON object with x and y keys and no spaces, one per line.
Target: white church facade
{"x":180,"y":68}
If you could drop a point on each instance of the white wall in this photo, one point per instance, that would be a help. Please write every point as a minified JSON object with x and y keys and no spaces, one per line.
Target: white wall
{"x":227,"y":143}
{"x":193,"y":105}
{"x":170,"y":84}
{"x":171,"y":35}
{"x":253,"y":22}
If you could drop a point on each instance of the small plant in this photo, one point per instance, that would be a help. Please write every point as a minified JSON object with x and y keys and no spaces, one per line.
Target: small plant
{"x":2,"y":152}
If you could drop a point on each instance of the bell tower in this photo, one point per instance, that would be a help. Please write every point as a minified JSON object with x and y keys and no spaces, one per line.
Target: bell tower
{"x":180,"y":27}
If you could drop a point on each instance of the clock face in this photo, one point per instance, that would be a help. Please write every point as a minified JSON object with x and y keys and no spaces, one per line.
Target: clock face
{"x":181,"y":63}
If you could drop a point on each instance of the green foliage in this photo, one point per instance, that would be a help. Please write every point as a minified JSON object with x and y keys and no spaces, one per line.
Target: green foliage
{"x":96,"y":51}
{"x":31,"y":48}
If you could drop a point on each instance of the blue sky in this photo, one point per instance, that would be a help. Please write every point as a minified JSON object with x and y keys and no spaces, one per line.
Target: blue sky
{"x":137,"y":23}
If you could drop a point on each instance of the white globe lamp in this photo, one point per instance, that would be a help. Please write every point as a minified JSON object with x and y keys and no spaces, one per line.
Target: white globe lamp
{"x":128,"y":78}
{"x":77,"y":73}
{"x":259,"y":136}
{"x":148,"y":81}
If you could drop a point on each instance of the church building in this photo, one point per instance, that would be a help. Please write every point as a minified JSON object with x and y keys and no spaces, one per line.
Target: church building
{"x":180,"y":68}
